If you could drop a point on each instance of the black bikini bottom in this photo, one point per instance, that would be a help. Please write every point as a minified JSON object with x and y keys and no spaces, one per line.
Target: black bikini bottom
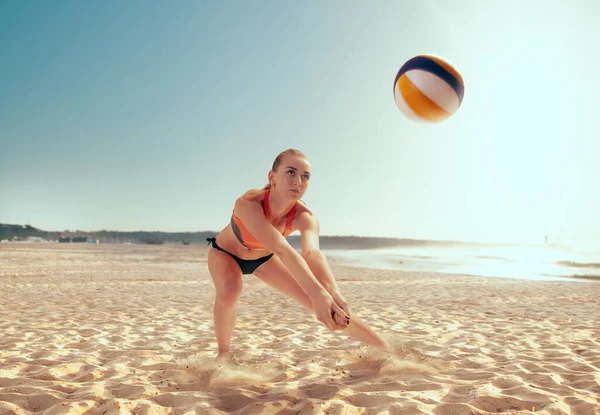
{"x":248,"y":266}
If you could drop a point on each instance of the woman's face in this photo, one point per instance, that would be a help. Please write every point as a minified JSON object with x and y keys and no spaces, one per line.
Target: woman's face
{"x":292,"y":176}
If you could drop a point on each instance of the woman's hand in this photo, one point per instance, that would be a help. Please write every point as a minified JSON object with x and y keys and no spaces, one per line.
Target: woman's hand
{"x":341,"y":301}
{"x":341,"y":319}
{"x":326,"y":310}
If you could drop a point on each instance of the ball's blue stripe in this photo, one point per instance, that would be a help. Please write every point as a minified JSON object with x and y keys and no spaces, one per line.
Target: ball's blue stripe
{"x":426,"y":64}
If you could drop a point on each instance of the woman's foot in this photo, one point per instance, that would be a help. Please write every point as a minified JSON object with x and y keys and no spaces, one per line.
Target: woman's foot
{"x":224,"y":357}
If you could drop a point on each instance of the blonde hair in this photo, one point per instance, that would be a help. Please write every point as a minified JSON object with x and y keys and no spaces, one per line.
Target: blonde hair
{"x":279,"y":159}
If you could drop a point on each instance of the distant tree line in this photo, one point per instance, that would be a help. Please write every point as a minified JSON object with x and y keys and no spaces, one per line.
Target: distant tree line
{"x":21,"y":232}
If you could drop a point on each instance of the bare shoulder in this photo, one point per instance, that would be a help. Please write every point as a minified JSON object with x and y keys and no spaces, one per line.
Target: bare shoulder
{"x":302,"y":207}
{"x":305,"y":217}
{"x":249,"y":199}
{"x":253,"y":195}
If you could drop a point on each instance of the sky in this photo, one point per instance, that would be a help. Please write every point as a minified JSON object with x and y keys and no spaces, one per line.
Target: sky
{"x":152,"y":115}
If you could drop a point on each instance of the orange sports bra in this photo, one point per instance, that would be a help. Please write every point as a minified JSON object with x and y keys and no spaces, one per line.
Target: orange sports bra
{"x":250,"y":241}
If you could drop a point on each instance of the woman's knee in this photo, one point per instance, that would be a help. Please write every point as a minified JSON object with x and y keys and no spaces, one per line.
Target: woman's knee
{"x":229,"y":292}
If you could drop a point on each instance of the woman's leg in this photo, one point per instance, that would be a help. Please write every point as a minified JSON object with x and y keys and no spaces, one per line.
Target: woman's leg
{"x":276,"y":274}
{"x":227,"y":277}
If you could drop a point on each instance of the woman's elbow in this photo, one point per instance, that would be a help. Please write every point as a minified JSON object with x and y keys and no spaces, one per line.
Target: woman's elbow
{"x":311,"y":253}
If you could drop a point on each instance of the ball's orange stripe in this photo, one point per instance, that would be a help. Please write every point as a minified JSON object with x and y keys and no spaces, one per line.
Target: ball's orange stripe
{"x":419,"y":103}
{"x":447,"y":67}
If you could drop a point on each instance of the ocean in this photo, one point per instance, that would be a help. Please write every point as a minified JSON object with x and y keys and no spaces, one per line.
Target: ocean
{"x":535,"y":262}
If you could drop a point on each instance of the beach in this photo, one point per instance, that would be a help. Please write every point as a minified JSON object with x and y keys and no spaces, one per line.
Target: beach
{"x":119,"y":329}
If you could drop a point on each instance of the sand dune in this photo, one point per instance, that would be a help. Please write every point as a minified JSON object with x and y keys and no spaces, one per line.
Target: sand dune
{"x":118,"y":329}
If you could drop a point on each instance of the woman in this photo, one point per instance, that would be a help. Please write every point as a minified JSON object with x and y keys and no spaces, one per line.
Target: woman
{"x":254,"y":243}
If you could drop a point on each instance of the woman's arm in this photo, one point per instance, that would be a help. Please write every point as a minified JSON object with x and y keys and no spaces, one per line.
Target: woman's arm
{"x":316,"y":260}
{"x":308,"y":224}
{"x":252,"y":215}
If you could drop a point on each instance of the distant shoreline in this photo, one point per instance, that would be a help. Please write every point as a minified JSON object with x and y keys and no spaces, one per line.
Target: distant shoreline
{"x":9,"y":232}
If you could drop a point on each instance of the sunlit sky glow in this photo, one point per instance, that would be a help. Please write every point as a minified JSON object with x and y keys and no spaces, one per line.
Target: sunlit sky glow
{"x":156,"y":116}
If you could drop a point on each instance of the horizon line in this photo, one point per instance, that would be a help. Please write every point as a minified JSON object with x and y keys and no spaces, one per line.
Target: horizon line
{"x":322,"y":235}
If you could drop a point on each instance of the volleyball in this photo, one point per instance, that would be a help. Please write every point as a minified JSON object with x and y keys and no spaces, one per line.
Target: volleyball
{"x":428,"y":89}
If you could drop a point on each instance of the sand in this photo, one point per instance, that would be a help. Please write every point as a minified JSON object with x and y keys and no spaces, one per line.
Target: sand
{"x":118,"y":329}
